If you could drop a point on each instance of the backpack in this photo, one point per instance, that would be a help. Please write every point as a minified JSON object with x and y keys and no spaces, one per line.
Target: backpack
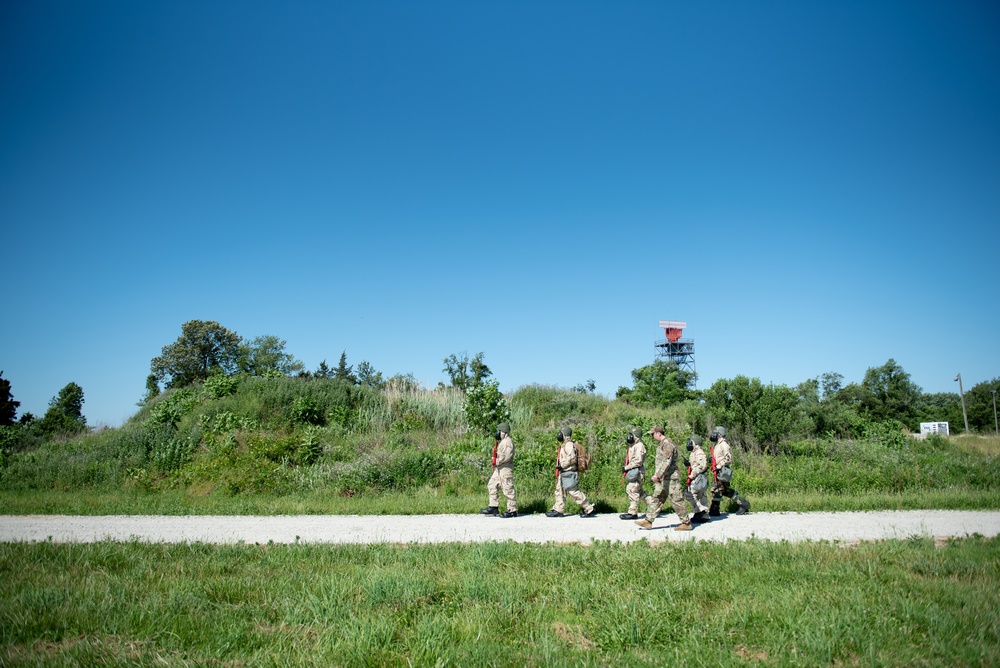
{"x":582,"y":458}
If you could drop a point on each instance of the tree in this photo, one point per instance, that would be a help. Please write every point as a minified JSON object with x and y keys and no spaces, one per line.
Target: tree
{"x":65,"y":413}
{"x":152,"y":389}
{"x":203,"y":348}
{"x":323,"y":371}
{"x":485,"y":407}
{"x":762,"y":414}
{"x":660,"y":384}
{"x":889,"y":394}
{"x":367,"y":375}
{"x":266,"y":355}
{"x":8,"y":407}
{"x":344,"y":372}
{"x":979,"y":402}
{"x":465,"y":373}
{"x":585,"y":388}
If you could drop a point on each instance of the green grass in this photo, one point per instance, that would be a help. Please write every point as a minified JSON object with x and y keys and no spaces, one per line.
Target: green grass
{"x":894,"y":603}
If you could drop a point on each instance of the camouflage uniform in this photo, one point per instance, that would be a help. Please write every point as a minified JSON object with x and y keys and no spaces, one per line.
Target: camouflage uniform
{"x":567,"y":461}
{"x":699,"y":464}
{"x":722,"y":456}
{"x":635,"y":458}
{"x":503,"y":475}
{"x":668,"y":483}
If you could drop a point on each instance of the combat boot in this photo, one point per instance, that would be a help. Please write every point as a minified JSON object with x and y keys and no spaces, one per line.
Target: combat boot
{"x":491,"y":510}
{"x":628,"y":516}
{"x":509,"y":513}
{"x":589,"y":513}
{"x":700,"y":517}
{"x":553,"y":513}
{"x":744,"y":507}
{"x":683,"y":526}
{"x":644,"y":524}
{"x":713,"y":510}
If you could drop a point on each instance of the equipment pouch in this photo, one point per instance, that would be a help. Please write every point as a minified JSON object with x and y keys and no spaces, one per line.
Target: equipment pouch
{"x":632,"y":475}
{"x":568,"y":480}
{"x":725,"y":474}
{"x":700,"y":483}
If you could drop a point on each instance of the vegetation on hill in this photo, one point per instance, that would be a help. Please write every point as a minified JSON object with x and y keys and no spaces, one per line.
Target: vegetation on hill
{"x":244,"y":420}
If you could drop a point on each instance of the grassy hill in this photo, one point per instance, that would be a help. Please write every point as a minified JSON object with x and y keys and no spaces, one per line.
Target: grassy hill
{"x":286,"y":445}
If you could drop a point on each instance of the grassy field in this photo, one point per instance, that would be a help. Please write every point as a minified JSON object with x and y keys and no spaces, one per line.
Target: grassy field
{"x":894,"y":603}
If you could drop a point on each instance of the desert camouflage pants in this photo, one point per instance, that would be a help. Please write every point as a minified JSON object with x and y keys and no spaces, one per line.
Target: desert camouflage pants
{"x":698,"y":500}
{"x":633,"y":490}
{"x":674,"y":491}
{"x":502,"y":479}
{"x":575,"y":494}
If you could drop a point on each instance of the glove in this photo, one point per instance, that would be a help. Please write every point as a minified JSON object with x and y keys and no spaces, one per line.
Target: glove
{"x":558,"y":469}
{"x":687,"y":463}
{"x":623,"y":469}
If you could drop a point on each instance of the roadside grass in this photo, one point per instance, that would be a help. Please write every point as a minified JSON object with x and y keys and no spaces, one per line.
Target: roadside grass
{"x":892,"y":603}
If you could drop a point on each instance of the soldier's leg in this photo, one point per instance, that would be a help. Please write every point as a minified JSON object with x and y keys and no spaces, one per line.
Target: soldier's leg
{"x":494,"y":488}
{"x":507,"y":484}
{"x":560,"y":504}
{"x":655,"y":501}
{"x":634,"y":491}
{"x":581,"y":500}
{"x":677,"y":500}
{"x":744,"y":505}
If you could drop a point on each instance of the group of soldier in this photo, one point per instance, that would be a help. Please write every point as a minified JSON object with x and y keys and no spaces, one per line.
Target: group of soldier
{"x":680,"y":479}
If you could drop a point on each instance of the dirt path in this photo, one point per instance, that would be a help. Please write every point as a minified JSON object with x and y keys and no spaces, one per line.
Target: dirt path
{"x":845,"y":527}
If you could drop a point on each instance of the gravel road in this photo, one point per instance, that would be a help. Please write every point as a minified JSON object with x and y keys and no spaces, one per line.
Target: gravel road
{"x":843,"y":527}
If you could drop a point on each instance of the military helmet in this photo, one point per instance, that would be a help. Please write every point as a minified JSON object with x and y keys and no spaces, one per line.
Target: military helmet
{"x":721,"y":431}
{"x":566,"y":431}
{"x":504,"y":427}
{"x":696,"y":439}
{"x":636,"y":433}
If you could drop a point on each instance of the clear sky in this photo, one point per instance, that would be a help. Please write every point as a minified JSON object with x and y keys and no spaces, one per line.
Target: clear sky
{"x":812,"y":186}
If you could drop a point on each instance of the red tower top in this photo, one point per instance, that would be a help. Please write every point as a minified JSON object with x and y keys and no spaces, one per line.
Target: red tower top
{"x":674,"y":329}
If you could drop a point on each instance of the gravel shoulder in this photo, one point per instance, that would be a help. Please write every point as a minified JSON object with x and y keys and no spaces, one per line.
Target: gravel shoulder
{"x":401,"y":529}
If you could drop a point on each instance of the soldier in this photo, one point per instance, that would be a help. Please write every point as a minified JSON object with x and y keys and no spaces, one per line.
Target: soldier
{"x":722,"y":460}
{"x":667,"y":484}
{"x":567,"y":477}
{"x":634,"y":472}
{"x":696,"y":492}
{"x":503,"y":474}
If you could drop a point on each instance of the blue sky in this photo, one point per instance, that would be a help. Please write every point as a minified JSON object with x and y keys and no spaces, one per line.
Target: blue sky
{"x":812,"y":186}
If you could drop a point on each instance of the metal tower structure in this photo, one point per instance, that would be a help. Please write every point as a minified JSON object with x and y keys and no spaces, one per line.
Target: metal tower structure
{"x":674,"y":347}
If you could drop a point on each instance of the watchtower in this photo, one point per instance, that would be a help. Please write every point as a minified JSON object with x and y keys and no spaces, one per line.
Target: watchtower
{"x":674,"y":347}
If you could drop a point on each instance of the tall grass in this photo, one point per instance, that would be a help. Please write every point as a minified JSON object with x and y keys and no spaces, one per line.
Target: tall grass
{"x":895,"y":603}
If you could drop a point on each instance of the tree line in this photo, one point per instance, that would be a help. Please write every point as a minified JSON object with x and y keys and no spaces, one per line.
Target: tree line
{"x":762,"y":414}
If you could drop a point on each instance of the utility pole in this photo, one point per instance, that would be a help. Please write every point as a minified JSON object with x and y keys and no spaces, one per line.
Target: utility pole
{"x":962,"y":397}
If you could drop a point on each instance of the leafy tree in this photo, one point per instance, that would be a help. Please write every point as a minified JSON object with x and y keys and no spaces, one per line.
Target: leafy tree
{"x":8,"y":407}
{"x":465,"y":373}
{"x":266,"y":354}
{"x":65,"y":413}
{"x":203,"y":348}
{"x":660,"y":384}
{"x":762,"y":414}
{"x":344,"y":372}
{"x":485,"y":407}
{"x":585,"y":388}
{"x":152,"y":389}
{"x":889,"y":394}
{"x":979,"y":405}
